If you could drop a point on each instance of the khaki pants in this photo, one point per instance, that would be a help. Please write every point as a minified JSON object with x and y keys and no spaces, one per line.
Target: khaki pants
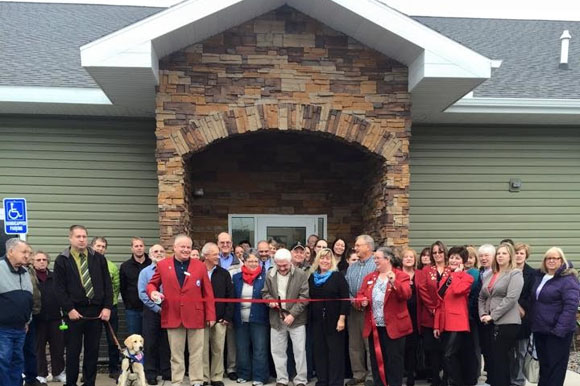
{"x":279,"y":344}
{"x":177,"y":337}
{"x":358,"y":347}
{"x":213,"y":352}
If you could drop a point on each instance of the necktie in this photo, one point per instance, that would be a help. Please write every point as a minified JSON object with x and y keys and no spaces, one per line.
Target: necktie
{"x":86,"y":277}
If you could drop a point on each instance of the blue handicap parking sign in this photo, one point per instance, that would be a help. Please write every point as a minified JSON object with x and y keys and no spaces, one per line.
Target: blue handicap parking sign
{"x":15,"y":216}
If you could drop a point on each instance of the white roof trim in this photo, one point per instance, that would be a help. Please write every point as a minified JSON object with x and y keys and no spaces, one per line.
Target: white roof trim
{"x":92,"y":96}
{"x":480,"y":105}
{"x":435,"y":61}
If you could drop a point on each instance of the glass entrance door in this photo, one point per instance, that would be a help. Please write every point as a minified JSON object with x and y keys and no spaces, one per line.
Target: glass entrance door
{"x":286,"y":229}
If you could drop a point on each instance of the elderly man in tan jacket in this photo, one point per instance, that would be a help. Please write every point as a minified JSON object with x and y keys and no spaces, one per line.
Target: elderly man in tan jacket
{"x":287,"y":282}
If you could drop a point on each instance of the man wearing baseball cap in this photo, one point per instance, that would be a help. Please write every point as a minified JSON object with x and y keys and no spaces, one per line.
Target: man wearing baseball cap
{"x":299,"y":257}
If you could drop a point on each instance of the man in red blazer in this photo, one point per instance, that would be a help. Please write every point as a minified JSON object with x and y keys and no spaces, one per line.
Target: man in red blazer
{"x":187,"y":307}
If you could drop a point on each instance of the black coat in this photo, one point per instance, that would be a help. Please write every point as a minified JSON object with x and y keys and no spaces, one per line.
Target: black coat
{"x":525,"y":301}
{"x":129,"y":276}
{"x":69,"y":287}
{"x":50,"y":307}
{"x":328,"y":313}
{"x":221,"y":281}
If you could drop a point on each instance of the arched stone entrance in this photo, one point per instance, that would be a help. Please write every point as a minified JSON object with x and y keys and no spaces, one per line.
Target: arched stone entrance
{"x":285,"y":72}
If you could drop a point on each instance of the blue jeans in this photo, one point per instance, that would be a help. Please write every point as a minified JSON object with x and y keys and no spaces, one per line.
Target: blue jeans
{"x":11,"y":356}
{"x":252,"y":364}
{"x":134,"y":321}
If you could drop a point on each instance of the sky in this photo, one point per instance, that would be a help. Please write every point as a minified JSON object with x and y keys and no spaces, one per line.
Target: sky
{"x":508,"y":9}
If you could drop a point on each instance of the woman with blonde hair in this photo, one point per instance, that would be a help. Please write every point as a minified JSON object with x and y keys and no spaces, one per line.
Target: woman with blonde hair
{"x":554,"y":303}
{"x":409,"y":266}
{"x":498,"y":307}
{"x":328,"y":318}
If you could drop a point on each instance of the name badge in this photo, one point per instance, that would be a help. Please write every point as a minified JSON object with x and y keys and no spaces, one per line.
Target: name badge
{"x":370,"y":282}
{"x":187,"y":273}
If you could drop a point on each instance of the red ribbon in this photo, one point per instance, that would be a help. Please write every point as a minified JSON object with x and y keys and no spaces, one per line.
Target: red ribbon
{"x":239,"y":300}
{"x":379,"y":352}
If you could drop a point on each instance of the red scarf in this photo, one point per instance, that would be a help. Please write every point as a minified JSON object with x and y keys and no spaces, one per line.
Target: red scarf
{"x":249,"y":276}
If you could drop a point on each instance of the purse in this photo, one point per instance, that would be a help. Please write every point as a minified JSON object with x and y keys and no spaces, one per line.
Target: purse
{"x":531,"y":363}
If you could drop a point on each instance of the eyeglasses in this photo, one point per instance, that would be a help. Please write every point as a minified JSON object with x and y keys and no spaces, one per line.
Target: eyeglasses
{"x":438,"y":252}
{"x":553,"y":258}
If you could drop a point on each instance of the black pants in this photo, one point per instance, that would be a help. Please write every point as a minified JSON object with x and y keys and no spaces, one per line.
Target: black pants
{"x":30,"y":370}
{"x":470,"y":355}
{"x":157,"y":354}
{"x":411,"y":346}
{"x":485,"y":337}
{"x":434,"y":352}
{"x":87,"y":331}
{"x":393,"y":351}
{"x":453,"y":343}
{"x":112,"y":347}
{"x":553,"y":353}
{"x":47,"y":331}
{"x":503,"y":339}
{"x":328,"y":348}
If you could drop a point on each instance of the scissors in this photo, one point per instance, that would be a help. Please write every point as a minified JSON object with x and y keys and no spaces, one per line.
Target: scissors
{"x":283,"y":313}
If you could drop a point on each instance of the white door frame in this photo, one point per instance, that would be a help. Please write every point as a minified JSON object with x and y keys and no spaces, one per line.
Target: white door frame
{"x":262,"y":221}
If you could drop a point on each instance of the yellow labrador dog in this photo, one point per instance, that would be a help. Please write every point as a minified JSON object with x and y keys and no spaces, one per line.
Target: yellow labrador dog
{"x":132,"y":373}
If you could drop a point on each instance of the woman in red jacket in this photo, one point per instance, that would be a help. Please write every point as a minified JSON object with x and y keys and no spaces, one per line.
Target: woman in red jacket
{"x":384,"y":295}
{"x":428,"y":283}
{"x":452,"y":317}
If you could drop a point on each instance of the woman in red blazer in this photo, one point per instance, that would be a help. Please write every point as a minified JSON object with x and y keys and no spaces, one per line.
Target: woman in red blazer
{"x":452,"y":315}
{"x":427,"y":283}
{"x":384,"y":294}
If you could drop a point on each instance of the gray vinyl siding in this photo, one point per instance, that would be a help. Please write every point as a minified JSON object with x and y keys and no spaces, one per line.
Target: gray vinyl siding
{"x":459,"y":187}
{"x":98,"y":173}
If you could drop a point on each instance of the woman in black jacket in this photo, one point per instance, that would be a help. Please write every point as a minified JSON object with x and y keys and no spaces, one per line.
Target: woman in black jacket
{"x":328,"y":318}
{"x":517,"y":359}
{"x":48,"y":322}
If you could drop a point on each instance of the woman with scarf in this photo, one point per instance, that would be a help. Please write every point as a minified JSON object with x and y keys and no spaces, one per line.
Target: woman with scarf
{"x":328,"y":318}
{"x":384,"y":294}
{"x":251,"y":323}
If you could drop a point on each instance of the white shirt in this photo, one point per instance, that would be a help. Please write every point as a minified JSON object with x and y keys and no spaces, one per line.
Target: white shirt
{"x":542,"y":283}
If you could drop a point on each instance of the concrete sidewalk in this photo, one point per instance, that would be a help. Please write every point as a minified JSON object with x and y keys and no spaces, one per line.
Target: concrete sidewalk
{"x":572,"y":379}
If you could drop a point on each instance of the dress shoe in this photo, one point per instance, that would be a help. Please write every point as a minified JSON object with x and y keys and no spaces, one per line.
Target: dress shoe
{"x":217,"y":383}
{"x":152,"y":381}
{"x":355,"y":381}
{"x":232,"y":376}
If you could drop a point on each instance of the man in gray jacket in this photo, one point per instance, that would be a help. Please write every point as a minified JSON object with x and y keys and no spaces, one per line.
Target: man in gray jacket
{"x":287,"y":282}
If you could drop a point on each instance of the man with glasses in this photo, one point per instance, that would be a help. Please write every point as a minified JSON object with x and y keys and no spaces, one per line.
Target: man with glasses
{"x":233,"y":265}
{"x":264,"y":255}
{"x":358,"y":346}
{"x":156,"y":343}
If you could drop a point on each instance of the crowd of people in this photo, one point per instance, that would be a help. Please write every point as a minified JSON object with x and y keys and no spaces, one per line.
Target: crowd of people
{"x":374,"y":316}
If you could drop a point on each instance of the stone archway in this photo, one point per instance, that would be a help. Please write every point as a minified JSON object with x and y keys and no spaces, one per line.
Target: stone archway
{"x":285,"y":72}
{"x":386,"y":206}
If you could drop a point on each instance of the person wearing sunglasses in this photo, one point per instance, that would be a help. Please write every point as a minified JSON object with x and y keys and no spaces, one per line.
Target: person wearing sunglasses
{"x":554,"y":303}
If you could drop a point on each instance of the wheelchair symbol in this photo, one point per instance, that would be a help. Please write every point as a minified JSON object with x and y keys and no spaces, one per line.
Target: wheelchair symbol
{"x":13,"y":213}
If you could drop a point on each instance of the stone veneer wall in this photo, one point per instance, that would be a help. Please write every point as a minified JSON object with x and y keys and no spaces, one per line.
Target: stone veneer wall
{"x":284,"y":71}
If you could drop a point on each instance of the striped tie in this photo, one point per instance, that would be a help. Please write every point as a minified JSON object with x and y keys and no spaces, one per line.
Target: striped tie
{"x":86,"y":277}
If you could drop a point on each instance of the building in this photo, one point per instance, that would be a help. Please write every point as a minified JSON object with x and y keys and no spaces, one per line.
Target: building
{"x":285,"y":118}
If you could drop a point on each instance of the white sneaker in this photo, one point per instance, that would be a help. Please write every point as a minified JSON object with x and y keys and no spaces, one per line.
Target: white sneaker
{"x":60,"y":378}
{"x":41,"y":379}
{"x":49,"y":377}
{"x":256,"y":383}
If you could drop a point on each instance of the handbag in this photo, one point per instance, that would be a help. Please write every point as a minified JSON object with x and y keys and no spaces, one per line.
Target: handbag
{"x":531,"y":363}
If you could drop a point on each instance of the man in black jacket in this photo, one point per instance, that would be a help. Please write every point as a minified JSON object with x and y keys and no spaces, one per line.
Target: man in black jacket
{"x":83,"y":287}
{"x":215,"y":336}
{"x":129,"y":272}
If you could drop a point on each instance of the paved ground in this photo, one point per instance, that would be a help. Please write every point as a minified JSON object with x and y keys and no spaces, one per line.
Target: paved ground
{"x":572,"y":379}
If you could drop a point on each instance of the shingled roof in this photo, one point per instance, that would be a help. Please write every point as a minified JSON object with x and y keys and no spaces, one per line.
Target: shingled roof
{"x":40,"y":43}
{"x":529,"y":51}
{"x":40,"y":46}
